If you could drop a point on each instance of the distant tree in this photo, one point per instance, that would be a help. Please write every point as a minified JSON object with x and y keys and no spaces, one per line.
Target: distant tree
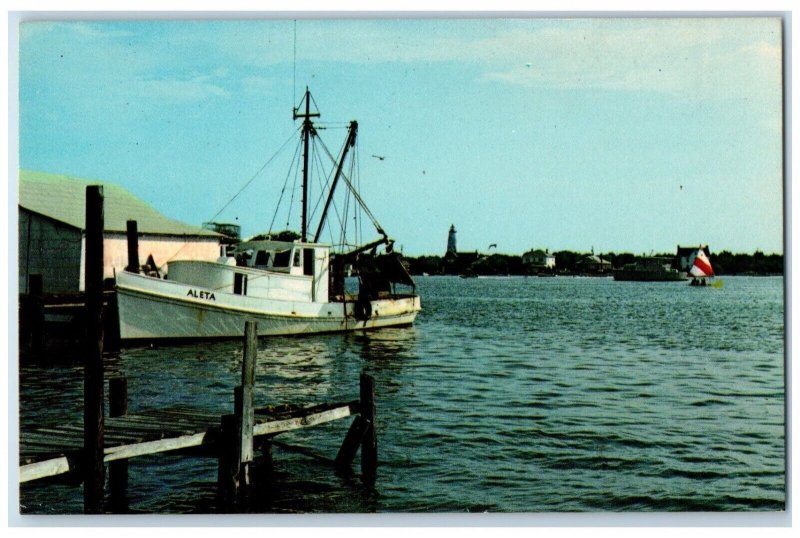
{"x":567,"y":260}
{"x":432,"y":265}
{"x":726,"y":263}
{"x":285,"y":235}
{"x":619,"y":260}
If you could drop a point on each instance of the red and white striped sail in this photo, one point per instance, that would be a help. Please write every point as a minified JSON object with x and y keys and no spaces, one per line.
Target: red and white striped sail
{"x":701,"y":266}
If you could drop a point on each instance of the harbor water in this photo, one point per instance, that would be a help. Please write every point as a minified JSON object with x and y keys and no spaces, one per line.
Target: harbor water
{"x":507,"y":395}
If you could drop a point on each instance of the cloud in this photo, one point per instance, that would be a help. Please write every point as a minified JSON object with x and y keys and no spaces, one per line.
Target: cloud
{"x":255,"y":85}
{"x":180,"y":90}
{"x":701,"y":58}
{"x":697,"y":58}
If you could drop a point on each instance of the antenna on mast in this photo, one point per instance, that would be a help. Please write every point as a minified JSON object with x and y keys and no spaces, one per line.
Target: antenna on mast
{"x":294,"y":66}
{"x":308,"y":130}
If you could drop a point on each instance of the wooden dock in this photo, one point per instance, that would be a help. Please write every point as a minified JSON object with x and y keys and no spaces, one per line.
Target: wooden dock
{"x":232,"y":438}
{"x":84,"y":449}
{"x":46,"y":452}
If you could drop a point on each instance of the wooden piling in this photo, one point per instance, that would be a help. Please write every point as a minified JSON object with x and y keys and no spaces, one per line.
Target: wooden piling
{"x":236,"y":452}
{"x":352,"y":440}
{"x":228,"y":469}
{"x":117,"y":397}
{"x":118,"y":470}
{"x":247,"y":411}
{"x":369,"y":442}
{"x":34,"y":315}
{"x":133,"y":246}
{"x":93,"y":434}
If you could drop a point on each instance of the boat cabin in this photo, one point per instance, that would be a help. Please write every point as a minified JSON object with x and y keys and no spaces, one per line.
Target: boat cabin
{"x":293,"y":258}
{"x":282,"y":270}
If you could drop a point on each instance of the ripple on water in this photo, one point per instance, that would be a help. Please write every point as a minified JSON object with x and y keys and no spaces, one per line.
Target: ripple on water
{"x":507,"y":395}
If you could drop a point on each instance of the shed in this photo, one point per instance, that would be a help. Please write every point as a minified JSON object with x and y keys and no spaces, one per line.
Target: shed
{"x":594,"y":265}
{"x":52,"y":214}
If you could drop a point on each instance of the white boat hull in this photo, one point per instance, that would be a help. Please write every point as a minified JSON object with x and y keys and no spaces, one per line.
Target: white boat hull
{"x":150,"y":308}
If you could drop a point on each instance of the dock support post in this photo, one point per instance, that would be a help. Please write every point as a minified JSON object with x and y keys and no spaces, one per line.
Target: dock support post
{"x":93,"y":431}
{"x":133,"y":246}
{"x":228,"y":470}
{"x":352,"y":440}
{"x":246,"y":410}
{"x":369,"y":442}
{"x":34,"y":312}
{"x":118,"y":470}
{"x":237,"y":430}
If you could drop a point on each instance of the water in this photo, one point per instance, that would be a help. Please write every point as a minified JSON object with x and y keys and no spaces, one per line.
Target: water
{"x":508,"y":395}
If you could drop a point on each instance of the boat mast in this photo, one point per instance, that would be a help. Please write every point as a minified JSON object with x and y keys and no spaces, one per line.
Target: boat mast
{"x":308,"y":129}
{"x":350,"y":142}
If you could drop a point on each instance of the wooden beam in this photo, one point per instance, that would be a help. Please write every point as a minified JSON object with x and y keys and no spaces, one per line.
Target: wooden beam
{"x":132,"y":233}
{"x":245,"y":414}
{"x":228,"y":462}
{"x":155,"y":447}
{"x":280,"y":426}
{"x":369,"y":443}
{"x":352,"y":440}
{"x":64,"y":464}
{"x":43,"y":469}
{"x":118,"y":470}
{"x":94,"y":469}
{"x":34,"y":317}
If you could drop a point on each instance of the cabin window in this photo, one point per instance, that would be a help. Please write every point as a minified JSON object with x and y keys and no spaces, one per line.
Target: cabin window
{"x":281,"y":258}
{"x":240,"y":284}
{"x":262,"y":258}
{"x":308,"y":261}
{"x":297,"y":258}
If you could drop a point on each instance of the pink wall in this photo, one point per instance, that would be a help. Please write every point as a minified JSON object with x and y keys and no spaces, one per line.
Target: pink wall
{"x":163,"y":249}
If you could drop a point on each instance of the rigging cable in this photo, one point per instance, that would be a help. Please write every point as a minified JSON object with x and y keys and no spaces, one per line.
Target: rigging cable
{"x":355,"y":172}
{"x":322,"y":186}
{"x":249,"y":181}
{"x":291,"y":200}
{"x":283,"y":190}
{"x":355,"y":193}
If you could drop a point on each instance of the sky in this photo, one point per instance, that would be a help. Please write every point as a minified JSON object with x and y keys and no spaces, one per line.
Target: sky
{"x":617,"y":135}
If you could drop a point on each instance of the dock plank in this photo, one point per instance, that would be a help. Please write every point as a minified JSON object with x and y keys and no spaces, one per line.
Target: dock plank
{"x":54,"y":450}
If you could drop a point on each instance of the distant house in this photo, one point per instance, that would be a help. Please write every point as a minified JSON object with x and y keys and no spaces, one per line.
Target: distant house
{"x":684,"y":257}
{"x":593,"y":265}
{"x":52,"y":214}
{"x":539,"y":260}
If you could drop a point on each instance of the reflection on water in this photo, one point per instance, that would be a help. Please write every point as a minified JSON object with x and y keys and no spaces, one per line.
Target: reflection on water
{"x":552,"y":394}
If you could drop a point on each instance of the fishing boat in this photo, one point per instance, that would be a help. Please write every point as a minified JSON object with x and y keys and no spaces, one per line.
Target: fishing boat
{"x":700,"y":269}
{"x":650,"y":269}
{"x":289,"y":286}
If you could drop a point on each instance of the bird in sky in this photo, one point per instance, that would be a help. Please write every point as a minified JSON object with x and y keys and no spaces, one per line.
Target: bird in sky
{"x":380,"y":157}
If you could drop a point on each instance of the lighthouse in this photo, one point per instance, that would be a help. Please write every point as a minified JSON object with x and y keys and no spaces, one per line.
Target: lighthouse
{"x":451,"y":241}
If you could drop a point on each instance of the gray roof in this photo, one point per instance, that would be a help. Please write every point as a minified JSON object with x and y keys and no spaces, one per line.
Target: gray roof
{"x":594,"y":259}
{"x":64,"y":199}
{"x":539,"y":252}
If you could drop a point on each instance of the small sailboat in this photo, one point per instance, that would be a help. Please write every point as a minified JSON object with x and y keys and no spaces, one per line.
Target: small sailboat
{"x":701,"y":268}
{"x":292,"y":286}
